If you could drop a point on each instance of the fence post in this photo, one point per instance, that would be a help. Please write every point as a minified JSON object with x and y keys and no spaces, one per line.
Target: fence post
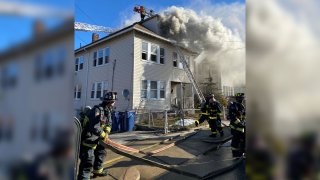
{"x":149,"y":118}
{"x":166,"y":122}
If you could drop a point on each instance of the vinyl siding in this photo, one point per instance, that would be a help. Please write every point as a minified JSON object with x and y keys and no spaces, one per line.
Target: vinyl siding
{"x":121,"y":50}
{"x":146,"y":70}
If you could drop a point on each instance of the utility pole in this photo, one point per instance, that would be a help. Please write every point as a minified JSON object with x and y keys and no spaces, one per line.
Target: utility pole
{"x":182,"y":103}
{"x":114,"y":67}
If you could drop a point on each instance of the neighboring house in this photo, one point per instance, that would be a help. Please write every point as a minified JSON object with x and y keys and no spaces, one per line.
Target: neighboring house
{"x":136,"y":59}
{"x":34,"y":90}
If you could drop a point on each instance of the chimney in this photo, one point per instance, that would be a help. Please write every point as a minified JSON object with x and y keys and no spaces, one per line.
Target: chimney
{"x":95,"y":37}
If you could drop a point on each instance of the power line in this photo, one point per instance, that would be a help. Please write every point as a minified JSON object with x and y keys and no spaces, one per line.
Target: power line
{"x":81,"y":39}
{"x":86,"y":14}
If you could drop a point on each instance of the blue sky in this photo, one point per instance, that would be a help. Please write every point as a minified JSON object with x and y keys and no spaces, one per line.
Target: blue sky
{"x":109,"y":13}
{"x":114,"y":13}
{"x":16,"y":29}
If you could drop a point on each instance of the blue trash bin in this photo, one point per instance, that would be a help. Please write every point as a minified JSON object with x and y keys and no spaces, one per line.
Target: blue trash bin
{"x":116,"y":126}
{"x":130,"y":118}
{"x":122,"y":121}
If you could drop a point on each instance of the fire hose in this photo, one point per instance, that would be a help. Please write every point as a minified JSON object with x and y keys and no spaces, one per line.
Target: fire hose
{"x":120,"y":149}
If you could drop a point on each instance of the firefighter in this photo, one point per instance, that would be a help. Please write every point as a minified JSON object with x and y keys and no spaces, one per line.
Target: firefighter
{"x":236,"y":115}
{"x":211,"y":111}
{"x":92,"y":153}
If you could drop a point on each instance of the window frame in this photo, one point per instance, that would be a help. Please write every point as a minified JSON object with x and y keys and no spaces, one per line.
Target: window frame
{"x":158,"y":90}
{"x":149,"y":52}
{"x":78,"y":62}
{"x":164,"y":89}
{"x":142,"y":89}
{"x":162,"y":55}
{"x":145,"y":51}
{"x":100,"y":58}
{"x":94,"y":89}
{"x":150,"y":89}
{"x":175,"y":60}
{"x":156,"y":47}
{"x":105,"y":56}
{"x":9,"y":76}
{"x":95,"y":59}
{"x":77,"y":92}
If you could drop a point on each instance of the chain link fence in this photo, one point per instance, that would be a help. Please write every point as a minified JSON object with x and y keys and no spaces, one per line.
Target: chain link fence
{"x":166,"y":120}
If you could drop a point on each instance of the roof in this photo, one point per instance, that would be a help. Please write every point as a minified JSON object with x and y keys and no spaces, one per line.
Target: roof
{"x":137,"y":26}
{"x":48,"y":37}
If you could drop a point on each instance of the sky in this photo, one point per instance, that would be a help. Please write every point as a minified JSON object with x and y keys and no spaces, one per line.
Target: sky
{"x":17,"y":29}
{"x":114,"y":15}
{"x":108,"y":13}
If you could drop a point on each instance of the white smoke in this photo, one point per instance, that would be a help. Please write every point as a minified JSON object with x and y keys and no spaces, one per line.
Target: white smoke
{"x":219,"y":45}
{"x":283,"y":65}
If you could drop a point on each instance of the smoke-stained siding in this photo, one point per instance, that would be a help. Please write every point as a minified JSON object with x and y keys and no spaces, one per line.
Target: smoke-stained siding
{"x":153,"y":24}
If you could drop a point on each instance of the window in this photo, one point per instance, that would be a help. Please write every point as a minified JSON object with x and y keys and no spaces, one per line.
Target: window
{"x":100,"y":57}
{"x":144,"y":89}
{"x":93,"y":90}
{"x":180,"y":65}
{"x":161,"y":55}
{"x":48,"y":64}
{"x":51,"y":63}
{"x":77,"y":92}
{"x":98,"y":89}
{"x":144,"y":51}
{"x":95,"y":58}
{"x":9,"y":76}
{"x":188,"y":60}
{"x":153,"y":89}
{"x":154,"y":50}
{"x":107,"y":55}
{"x":175,"y":59}
{"x":79,"y":63}
{"x":162,"y":89}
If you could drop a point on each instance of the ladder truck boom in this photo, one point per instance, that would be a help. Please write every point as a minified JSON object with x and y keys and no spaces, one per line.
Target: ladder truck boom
{"x":79,"y":26}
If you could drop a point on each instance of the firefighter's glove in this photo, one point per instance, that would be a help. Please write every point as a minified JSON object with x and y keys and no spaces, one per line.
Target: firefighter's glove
{"x":107,"y":129}
{"x":106,"y":138}
{"x":196,"y":123}
{"x":103,"y":135}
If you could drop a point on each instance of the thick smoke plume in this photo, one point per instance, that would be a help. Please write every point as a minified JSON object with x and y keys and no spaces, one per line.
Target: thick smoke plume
{"x":208,"y":36}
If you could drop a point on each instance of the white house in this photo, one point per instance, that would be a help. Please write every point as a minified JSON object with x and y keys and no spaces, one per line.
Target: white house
{"x":136,"y":59}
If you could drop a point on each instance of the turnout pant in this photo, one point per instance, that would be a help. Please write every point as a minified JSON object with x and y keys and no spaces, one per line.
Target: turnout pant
{"x":238,"y":143}
{"x":214,"y":124}
{"x":91,"y":158}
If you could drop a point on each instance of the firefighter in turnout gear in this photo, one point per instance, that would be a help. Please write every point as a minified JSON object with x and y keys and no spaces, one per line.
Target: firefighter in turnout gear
{"x":92,"y":153}
{"x":211,"y":111}
{"x":236,"y":115}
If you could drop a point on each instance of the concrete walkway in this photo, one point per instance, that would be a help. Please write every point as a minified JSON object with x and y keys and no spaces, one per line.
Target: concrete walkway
{"x":198,"y":154}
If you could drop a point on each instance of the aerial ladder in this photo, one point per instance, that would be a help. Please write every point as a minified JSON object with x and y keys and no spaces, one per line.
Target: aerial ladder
{"x":143,"y":11}
{"x":190,"y":74}
{"x":80,"y":26}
